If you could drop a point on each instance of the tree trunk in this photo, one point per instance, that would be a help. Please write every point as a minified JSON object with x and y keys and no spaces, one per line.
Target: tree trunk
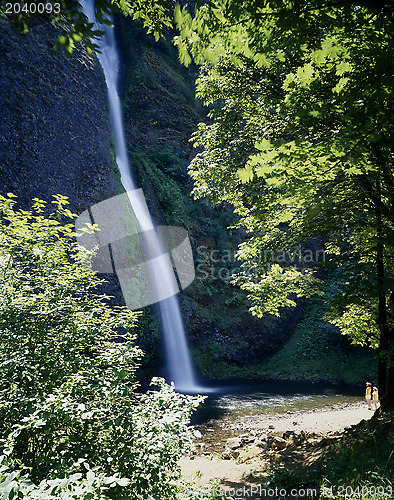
{"x":384,"y":329}
{"x":390,"y":369}
{"x":385,"y":381}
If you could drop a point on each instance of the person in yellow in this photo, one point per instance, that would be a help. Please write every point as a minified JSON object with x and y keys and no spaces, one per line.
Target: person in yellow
{"x":368,"y":394}
{"x":375,"y":397}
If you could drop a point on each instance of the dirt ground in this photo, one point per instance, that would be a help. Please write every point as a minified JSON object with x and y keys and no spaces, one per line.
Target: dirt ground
{"x":252,"y":460}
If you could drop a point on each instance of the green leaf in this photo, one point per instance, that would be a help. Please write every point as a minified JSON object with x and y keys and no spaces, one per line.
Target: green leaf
{"x":263,"y":145}
{"x":245,"y":174}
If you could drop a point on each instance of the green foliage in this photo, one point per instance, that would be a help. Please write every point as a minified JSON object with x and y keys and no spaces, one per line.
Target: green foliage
{"x":300,"y":142}
{"x":315,"y":349}
{"x":282,"y":477}
{"x":67,"y":387}
{"x":49,"y":314}
{"x":358,"y":322}
{"x":165,"y":173}
{"x":363,"y":457}
{"x":294,"y":201}
{"x":88,"y":486}
{"x":277,"y":289}
{"x":265,"y":32}
{"x":156,"y":16}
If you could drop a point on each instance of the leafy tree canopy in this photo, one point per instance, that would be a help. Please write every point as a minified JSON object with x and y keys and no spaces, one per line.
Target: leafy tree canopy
{"x":266,"y":29}
{"x":300,"y":141}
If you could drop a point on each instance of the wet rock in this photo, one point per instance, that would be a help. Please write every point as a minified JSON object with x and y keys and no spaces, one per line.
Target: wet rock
{"x":55,"y":133}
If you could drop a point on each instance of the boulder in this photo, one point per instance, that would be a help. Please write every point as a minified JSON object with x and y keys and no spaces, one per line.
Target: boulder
{"x":247,"y":454}
{"x":261,"y":443}
{"x":279,"y":443}
{"x":246,"y":438}
{"x":233,"y":443}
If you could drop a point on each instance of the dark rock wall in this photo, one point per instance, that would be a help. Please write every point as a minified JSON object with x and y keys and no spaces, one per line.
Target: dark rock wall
{"x":54,"y":127}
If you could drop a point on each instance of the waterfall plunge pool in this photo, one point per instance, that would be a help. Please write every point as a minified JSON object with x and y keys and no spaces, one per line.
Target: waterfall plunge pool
{"x":237,"y":406}
{"x":239,"y":397}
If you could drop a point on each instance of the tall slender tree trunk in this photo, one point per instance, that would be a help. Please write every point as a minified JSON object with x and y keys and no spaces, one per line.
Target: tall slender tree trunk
{"x":384,"y":329}
{"x":390,"y":368}
{"x":385,"y":380}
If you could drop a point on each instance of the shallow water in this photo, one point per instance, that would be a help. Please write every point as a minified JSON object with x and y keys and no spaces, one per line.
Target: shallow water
{"x":239,"y":398}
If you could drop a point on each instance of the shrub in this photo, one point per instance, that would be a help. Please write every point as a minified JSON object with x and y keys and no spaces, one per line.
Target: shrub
{"x":67,"y":389}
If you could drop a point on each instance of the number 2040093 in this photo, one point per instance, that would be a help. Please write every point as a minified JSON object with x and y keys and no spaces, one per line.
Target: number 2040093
{"x":32,"y":8}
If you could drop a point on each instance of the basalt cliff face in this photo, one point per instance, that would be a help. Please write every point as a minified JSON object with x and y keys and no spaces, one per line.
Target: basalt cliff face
{"x":54,"y":128}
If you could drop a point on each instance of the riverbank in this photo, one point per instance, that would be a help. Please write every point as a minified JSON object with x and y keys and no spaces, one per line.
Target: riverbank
{"x":242,"y":455}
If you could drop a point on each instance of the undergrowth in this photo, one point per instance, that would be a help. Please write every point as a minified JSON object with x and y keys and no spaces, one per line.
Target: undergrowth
{"x":358,"y":466}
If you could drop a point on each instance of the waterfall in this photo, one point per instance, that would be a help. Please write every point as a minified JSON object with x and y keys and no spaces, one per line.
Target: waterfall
{"x":180,"y":370}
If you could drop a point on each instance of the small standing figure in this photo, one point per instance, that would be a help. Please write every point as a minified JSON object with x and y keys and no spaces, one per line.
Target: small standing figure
{"x":375,"y":397}
{"x":368,"y":394}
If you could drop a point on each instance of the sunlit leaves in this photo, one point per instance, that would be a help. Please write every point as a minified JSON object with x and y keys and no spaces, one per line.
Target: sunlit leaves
{"x":305,"y":74}
{"x":358,"y":322}
{"x":275,"y":289}
{"x":245,"y":174}
{"x":264,"y":145}
{"x":67,"y":386}
{"x":67,"y":14}
{"x":298,"y":135}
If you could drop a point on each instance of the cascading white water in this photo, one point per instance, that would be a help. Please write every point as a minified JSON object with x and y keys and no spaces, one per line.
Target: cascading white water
{"x":177,"y":353}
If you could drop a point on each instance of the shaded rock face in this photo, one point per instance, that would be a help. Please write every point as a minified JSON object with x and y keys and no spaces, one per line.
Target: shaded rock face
{"x":54,"y":128}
